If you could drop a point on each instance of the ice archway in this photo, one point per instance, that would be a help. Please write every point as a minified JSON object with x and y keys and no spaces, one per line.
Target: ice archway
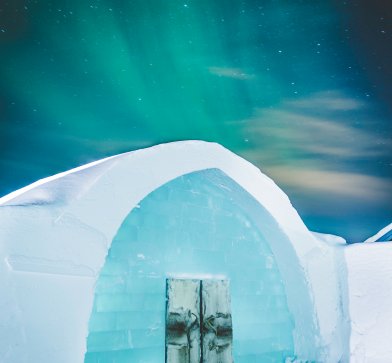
{"x":199,"y":225}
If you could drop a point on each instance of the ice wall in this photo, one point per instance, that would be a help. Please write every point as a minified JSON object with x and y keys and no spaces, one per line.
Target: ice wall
{"x":190,"y":227}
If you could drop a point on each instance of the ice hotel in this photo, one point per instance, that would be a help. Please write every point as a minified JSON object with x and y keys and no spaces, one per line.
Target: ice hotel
{"x":182,"y":252}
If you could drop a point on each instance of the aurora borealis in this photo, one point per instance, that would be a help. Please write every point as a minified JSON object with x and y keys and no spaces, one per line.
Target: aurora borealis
{"x":299,"y":88}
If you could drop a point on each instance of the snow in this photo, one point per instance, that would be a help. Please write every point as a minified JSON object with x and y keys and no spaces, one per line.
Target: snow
{"x":370,"y":303}
{"x":380,"y":233}
{"x":37,"y":192}
{"x":330,"y":239}
{"x":56,"y":233}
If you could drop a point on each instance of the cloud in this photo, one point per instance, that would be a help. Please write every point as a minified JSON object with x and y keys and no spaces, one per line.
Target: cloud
{"x":339,"y":183}
{"x":292,"y":130}
{"x":328,"y":100}
{"x":314,"y":145}
{"x":235,"y":73}
{"x":317,"y":135}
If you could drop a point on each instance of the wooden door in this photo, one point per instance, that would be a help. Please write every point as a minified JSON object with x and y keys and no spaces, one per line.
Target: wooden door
{"x":217,"y":332}
{"x":183,"y":321}
{"x":198,"y":322}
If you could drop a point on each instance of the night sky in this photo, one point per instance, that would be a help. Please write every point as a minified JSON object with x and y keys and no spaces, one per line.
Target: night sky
{"x":300,"y":88}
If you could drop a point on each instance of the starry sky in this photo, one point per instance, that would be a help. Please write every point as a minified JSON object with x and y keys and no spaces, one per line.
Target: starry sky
{"x":300,"y":88}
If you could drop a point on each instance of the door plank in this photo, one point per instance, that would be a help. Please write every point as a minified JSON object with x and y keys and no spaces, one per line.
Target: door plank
{"x":217,"y":331}
{"x":183,"y":321}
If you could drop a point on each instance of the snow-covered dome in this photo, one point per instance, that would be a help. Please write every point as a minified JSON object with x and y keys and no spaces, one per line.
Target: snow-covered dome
{"x":87,"y":249}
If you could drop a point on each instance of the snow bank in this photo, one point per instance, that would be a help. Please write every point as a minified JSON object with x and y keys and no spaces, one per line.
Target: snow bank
{"x":330,"y":239}
{"x":370,"y":303}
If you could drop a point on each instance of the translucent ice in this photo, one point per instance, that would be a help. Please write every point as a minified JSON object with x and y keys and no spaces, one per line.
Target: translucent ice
{"x":190,"y":226}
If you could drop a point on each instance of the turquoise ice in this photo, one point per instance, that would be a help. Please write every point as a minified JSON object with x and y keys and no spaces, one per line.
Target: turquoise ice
{"x":204,"y":225}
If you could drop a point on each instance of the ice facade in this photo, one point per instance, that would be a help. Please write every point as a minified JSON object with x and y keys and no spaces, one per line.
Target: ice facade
{"x":84,"y":256}
{"x":200,"y":225}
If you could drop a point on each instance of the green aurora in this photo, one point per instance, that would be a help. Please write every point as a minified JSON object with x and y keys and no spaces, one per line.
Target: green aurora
{"x":293,"y":86}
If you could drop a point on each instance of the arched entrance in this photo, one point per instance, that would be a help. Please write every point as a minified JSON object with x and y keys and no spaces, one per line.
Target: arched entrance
{"x":199,"y":225}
